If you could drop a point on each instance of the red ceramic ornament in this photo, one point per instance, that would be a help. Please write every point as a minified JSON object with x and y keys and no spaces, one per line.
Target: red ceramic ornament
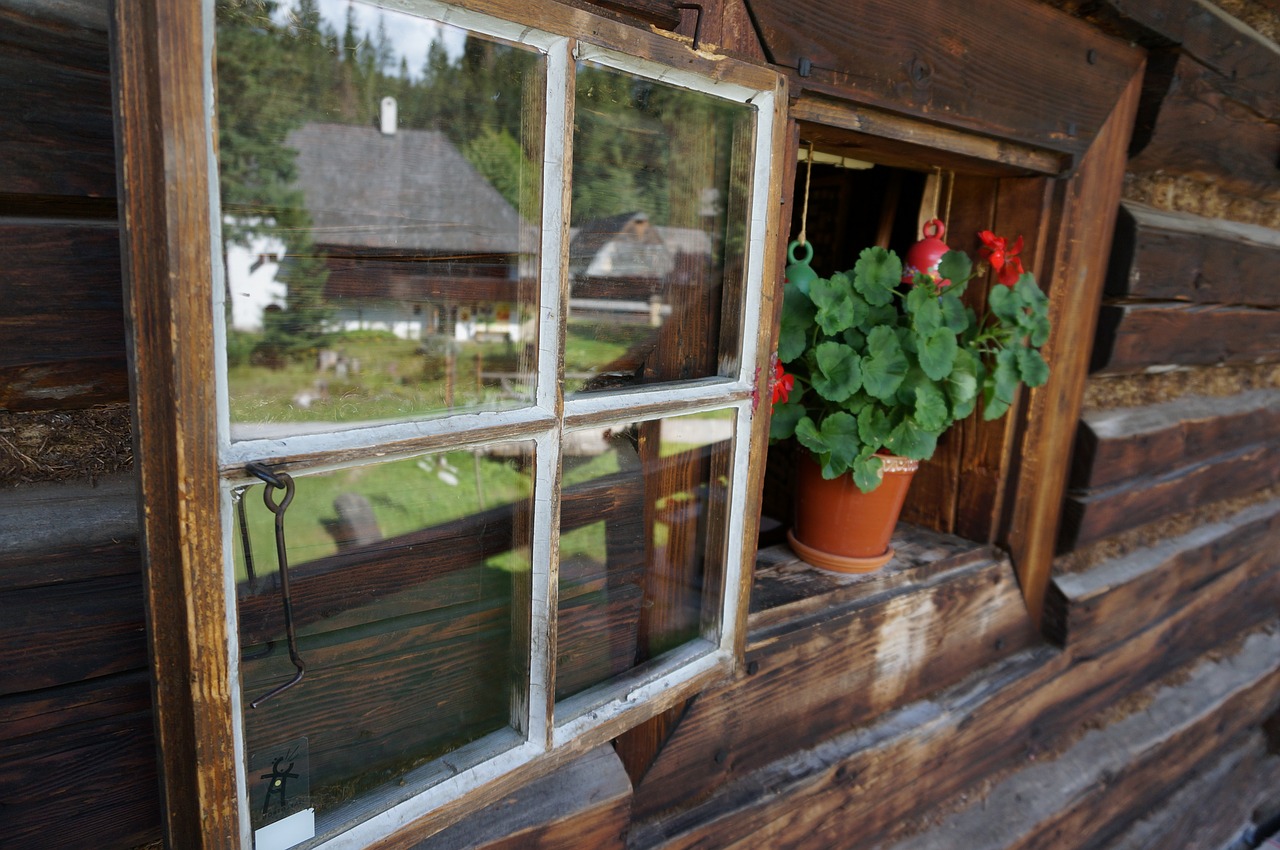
{"x":924,"y":256}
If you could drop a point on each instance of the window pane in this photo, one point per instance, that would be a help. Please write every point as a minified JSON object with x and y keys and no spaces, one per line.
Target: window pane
{"x":380,"y":177}
{"x":659,"y":218}
{"x":406,"y":581}
{"x":642,"y":534}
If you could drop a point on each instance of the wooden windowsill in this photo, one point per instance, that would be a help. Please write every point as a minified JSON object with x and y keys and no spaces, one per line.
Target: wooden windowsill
{"x":786,"y":587}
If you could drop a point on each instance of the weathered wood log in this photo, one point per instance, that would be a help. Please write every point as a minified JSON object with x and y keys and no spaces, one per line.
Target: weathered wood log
{"x":1160,"y":255}
{"x":819,"y":665}
{"x":89,"y":780}
{"x":61,"y":314}
{"x":908,"y":59}
{"x":1116,"y":445}
{"x":1094,"y":610}
{"x":586,"y":803}
{"x":853,"y":784}
{"x":1091,"y":515}
{"x":1208,"y":810}
{"x":1208,"y":134}
{"x":1136,"y":337}
{"x":1090,"y":793}
{"x":56,"y":135}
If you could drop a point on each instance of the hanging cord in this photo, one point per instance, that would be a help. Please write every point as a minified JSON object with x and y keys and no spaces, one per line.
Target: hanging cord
{"x":804,"y":211}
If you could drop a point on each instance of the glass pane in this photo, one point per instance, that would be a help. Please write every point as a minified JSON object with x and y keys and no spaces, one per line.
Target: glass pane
{"x":380,"y":177}
{"x":407,"y":579}
{"x":659,"y":222}
{"x":642,"y":540}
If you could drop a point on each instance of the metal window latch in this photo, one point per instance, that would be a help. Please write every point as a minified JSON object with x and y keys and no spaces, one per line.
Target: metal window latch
{"x":280,"y":481}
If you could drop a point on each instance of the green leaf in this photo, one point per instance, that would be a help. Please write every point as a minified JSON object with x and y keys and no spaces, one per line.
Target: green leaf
{"x":876,"y":274}
{"x":953,"y":313}
{"x":931,"y":408}
{"x":797,"y":321}
{"x":839,"y":372}
{"x":910,"y":440}
{"x":956,"y":267}
{"x":1004,"y":304}
{"x":1030,"y":295}
{"x":926,"y":312}
{"x":885,"y":366}
{"x":1006,"y":375}
{"x":881,"y":315}
{"x":874,"y":426}
{"x":855,"y":338}
{"x":834,"y":302}
{"x":1031,"y":367}
{"x":1039,"y":331}
{"x":866,"y":472}
{"x":785,"y":417}
{"x":840,"y":433}
{"x":994,"y":408}
{"x":937,"y":353}
{"x":962,"y":384}
{"x":810,"y":437}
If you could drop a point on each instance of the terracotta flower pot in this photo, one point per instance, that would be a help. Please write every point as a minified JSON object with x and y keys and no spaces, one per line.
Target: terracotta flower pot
{"x":837,"y":526}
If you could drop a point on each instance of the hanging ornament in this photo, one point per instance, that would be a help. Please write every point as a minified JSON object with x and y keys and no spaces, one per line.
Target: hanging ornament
{"x":798,"y":272}
{"x":924,"y":256}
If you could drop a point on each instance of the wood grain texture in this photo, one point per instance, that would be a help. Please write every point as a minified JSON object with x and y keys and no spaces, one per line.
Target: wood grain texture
{"x":1204,"y":133}
{"x":663,"y":14}
{"x":1116,"y":445}
{"x":1091,"y":515}
{"x":1090,"y":793}
{"x":1161,"y":255}
{"x":159,"y":93}
{"x":852,"y":784}
{"x":823,"y":665}
{"x":1077,"y":244}
{"x":1044,"y":89}
{"x":1095,"y":610}
{"x":585,"y":803}
{"x":1137,"y":337}
{"x":55,"y":130}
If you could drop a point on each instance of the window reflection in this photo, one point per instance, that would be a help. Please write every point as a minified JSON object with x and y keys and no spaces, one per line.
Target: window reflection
{"x":659,"y":182}
{"x":642,"y":535}
{"x":407,"y":578}
{"x":381,"y":191}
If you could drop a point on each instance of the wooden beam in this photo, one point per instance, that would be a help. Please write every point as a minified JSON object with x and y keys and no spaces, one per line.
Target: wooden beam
{"x":1139,"y":337}
{"x":1207,"y":134}
{"x":1161,"y":255}
{"x":1116,"y":445}
{"x":1076,"y":257}
{"x":920,"y":59}
{"x":1093,"y":611}
{"x":159,"y":64}
{"x":1091,"y":515}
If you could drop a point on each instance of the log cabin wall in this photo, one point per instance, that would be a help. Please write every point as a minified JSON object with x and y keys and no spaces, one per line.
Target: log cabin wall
{"x":923,"y":710}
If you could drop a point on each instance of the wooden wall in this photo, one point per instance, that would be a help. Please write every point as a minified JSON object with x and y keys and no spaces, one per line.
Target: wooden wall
{"x":866,"y":709}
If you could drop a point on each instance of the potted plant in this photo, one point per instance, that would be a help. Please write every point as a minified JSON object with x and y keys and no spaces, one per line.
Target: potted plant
{"x":874,"y":365}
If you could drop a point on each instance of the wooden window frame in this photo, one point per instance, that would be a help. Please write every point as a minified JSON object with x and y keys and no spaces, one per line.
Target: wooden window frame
{"x":162,"y":72}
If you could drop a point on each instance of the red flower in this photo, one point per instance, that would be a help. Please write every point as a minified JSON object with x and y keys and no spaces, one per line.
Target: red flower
{"x":1004,"y":259}
{"x":781,"y":383}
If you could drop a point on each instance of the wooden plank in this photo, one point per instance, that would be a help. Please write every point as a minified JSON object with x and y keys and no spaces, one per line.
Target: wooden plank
{"x":48,"y":526}
{"x":1209,"y":809}
{"x":68,"y":632}
{"x":663,"y":14}
{"x":819,"y":669}
{"x":1091,"y":515}
{"x":1205,"y":134}
{"x":56,"y":130}
{"x":1247,"y":63}
{"x":1116,"y":445}
{"x":585,"y":803}
{"x":1137,"y":337}
{"x":852,"y":784}
{"x":91,"y":784}
{"x":1091,"y":792}
{"x":1093,"y":611}
{"x":1052,"y":87}
{"x":162,"y":139}
{"x":36,"y":714}
{"x":1176,"y":256}
{"x":1077,"y":244}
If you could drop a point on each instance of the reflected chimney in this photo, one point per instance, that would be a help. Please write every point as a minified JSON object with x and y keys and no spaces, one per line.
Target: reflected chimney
{"x":387,"y":119}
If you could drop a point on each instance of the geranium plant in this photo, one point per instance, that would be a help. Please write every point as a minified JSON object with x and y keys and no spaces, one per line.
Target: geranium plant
{"x":867,"y":363}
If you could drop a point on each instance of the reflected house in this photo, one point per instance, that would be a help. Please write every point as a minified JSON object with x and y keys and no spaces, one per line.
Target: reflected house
{"x":631,"y":270}
{"x":416,"y":241}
